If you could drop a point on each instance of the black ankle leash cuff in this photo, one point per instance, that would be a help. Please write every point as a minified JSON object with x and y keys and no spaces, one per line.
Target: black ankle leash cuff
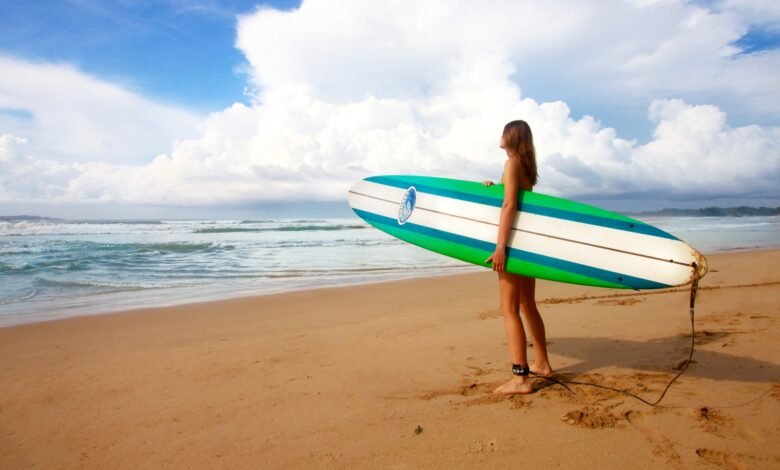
{"x":517,"y":369}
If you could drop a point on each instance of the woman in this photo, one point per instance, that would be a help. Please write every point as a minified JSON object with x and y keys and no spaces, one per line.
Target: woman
{"x":515,"y":290}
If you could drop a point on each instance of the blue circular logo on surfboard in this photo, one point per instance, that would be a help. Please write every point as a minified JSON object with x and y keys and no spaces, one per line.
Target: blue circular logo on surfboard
{"x":407,"y":205}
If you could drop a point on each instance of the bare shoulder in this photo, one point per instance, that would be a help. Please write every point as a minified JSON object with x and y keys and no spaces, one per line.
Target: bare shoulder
{"x":513,"y":167}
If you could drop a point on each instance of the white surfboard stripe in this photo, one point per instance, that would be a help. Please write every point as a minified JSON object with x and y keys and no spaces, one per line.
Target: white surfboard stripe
{"x":610,"y":238}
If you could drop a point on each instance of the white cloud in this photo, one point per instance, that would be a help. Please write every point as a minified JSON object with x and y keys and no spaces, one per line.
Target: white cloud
{"x":347,"y":49}
{"x":693,"y":152}
{"x":9,"y":147}
{"x":67,"y":115}
{"x":351,"y":88}
{"x":765,"y":13}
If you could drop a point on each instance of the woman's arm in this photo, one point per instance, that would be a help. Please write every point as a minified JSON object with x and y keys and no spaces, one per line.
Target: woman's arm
{"x":508,"y":210}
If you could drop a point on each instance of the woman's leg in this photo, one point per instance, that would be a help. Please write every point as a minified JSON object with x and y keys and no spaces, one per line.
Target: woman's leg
{"x":509,"y":289}
{"x":510,"y":292}
{"x":535,"y":324}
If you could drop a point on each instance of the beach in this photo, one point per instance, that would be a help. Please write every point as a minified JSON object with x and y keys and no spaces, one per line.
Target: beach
{"x":399,"y":374}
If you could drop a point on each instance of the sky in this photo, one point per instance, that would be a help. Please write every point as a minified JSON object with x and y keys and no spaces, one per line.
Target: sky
{"x":205,"y":108}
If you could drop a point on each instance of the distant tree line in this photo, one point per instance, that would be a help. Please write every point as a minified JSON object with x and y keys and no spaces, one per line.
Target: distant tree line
{"x":741,"y":211}
{"x":34,"y":218}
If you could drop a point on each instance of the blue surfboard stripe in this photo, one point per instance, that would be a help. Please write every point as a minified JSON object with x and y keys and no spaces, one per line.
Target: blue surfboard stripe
{"x":487,"y":200}
{"x":522,"y":255}
{"x":530,"y":208}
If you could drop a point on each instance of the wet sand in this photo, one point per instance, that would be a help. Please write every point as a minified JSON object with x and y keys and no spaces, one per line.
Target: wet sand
{"x":399,"y":375}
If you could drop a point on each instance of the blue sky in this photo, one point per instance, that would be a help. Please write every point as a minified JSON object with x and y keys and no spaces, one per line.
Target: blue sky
{"x":759,"y":39}
{"x":176,"y":51}
{"x":215,"y":106}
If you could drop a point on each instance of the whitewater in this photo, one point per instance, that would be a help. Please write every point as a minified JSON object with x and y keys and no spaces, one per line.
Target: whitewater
{"x":58,"y":268}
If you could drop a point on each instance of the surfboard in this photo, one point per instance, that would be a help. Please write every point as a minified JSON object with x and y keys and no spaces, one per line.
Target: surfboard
{"x":552,"y":238}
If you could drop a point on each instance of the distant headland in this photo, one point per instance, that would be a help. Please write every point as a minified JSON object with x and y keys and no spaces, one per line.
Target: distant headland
{"x":741,"y":211}
{"x":28,"y":218}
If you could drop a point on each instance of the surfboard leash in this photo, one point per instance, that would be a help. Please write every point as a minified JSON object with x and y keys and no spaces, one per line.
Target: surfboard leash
{"x":692,"y":303}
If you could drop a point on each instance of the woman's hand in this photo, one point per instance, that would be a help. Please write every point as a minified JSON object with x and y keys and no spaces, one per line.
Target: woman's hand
{"x":498,"y":258}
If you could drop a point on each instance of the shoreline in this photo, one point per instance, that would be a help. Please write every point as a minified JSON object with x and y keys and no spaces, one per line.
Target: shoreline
{"x":380,"y":375}
{"x":466,"y":269}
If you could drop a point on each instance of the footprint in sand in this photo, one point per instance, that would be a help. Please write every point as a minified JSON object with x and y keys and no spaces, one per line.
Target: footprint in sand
{"x":712,"y":421}
{"x":736,"y":460}
{"x":479,"y":394}
{"x":478,"y":371}
{"x":484,"y":447}
{"x":726,"y":337}
{"x":662,"y":446}
{"x":716,"y":422}
{"x":706,"y":336}
{"x":775,"y":392}
{"x":591,"y":417}
{"x":487,"y":314}
{"x":719,"y":458}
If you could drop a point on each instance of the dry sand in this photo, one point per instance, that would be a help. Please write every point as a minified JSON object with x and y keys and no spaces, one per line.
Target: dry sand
{"x":399,"y":375}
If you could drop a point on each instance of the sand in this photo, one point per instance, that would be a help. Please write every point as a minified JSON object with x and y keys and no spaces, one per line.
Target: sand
{"x":399,"y":375}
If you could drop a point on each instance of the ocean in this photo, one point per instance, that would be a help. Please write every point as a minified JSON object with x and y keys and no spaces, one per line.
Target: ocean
{"x":55,"y":268}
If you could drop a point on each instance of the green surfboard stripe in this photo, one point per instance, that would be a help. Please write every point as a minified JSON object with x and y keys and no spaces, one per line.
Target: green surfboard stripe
{"x":478,"y":257}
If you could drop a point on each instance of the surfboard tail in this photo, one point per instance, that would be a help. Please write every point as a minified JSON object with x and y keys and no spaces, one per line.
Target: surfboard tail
{"x":701,"y":268}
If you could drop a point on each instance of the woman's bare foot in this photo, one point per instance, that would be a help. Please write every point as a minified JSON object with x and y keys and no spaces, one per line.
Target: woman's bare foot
{"x":516,"y":385}
{"x":543,"y":370}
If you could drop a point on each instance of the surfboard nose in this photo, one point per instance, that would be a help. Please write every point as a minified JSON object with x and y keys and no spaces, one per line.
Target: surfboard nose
{"x":351,"y":194}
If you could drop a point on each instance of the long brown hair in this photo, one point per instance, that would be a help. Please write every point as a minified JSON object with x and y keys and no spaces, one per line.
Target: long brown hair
{"x":519,"y":142}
